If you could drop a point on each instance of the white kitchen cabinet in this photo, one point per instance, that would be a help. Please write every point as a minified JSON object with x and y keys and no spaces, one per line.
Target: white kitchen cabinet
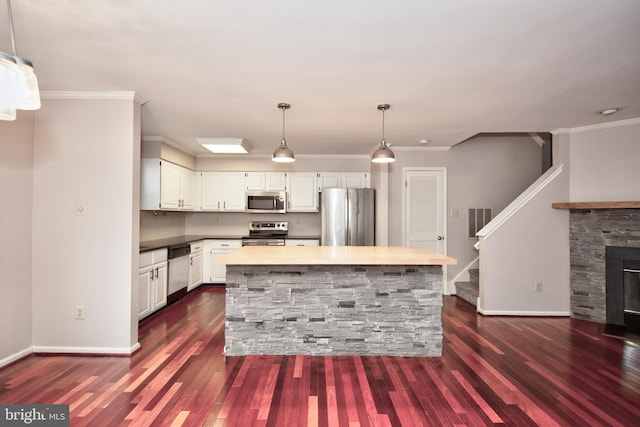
{"x":302,"y":192}
{"x":302,"y":242}
{"x":223,"y":191}
{"x":152,"y":282}
{"x":344,"y":180}
{"x":217,"y":273}
{"x":266,"y":181}
{"x":195,"y":265}
{"x":165,"y":186}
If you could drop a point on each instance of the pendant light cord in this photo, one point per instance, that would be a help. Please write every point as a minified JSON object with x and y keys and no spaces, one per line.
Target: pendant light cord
{"x":13,"y":37}
{"x":383,"y":140}
{"x":283,"y":111}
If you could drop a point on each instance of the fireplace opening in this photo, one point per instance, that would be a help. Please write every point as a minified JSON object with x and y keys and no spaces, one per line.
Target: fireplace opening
{"x":623,"y":288}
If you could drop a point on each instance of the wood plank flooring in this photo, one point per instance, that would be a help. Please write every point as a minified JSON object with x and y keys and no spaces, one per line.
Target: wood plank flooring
{"x":496,"y":370}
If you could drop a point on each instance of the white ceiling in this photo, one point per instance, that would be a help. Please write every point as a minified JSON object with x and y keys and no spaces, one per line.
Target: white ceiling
{"x":450,"y":69}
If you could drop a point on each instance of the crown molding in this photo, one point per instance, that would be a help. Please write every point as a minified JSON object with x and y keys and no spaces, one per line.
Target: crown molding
{"x":297,"y":156}
{"x":597,"y":126}
{"x":97,"y":95}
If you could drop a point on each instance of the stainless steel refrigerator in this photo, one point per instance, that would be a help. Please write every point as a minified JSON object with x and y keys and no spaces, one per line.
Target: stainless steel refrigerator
{"x":348,"y":217}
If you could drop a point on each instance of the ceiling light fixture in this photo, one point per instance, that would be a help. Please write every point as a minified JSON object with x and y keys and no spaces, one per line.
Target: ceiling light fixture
{"x":383,"y":154}
{"x":609,"y":111}
{"x":225,"y":145}
{"x":283,"y":154}
{"x":18,"y":82}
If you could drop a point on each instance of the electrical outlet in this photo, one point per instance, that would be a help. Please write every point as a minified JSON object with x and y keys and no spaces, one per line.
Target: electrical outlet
{"x":79,"y":312}
{"x":537,"y":286}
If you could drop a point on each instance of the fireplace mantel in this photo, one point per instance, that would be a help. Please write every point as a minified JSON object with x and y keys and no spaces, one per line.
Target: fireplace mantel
{"x":596,"y":205}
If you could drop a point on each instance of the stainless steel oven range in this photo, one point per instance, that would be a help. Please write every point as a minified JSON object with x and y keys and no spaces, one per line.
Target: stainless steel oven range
{"x":266,"y":233}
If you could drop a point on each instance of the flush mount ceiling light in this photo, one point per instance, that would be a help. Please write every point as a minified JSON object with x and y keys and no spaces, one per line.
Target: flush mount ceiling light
{"x":18,"y":82}
{"x":225,"y":145}
{"x":609,"y":111}
{"x":383,"y":154}
{"x":283,"y":154}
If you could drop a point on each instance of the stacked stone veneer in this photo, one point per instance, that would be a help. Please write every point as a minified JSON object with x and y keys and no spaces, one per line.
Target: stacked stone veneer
{"x":334,"y":310}
{"x":590,"y":232}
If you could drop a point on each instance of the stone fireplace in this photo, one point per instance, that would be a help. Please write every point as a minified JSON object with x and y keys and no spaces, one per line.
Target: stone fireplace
{"x":591,"y":232}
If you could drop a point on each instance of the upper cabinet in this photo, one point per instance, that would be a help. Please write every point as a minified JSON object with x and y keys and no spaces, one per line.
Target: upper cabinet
{"x":302,"y":192}
{"x":343,"y":179}
{"x":165,"y":185}
{"x":223,"y":191}
{"x":266,"y":181}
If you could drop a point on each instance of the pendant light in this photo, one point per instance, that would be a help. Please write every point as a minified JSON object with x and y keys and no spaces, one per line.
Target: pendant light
{"x":283,"y":154}
{"x":383,"y":154}
{"x":18,"y":82}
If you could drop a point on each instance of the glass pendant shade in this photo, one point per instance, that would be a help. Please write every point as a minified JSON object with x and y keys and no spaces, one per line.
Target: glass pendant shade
{"x":32,"y":102}
{"x":383,"y":154}
{"x":283,"y":154}
{"x":8,"y":114}
{"x":13,"y":85}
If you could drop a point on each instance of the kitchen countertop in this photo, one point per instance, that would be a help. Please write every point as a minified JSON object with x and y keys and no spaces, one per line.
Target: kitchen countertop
{"x":333,"y":255}
{"x":150,"y":245}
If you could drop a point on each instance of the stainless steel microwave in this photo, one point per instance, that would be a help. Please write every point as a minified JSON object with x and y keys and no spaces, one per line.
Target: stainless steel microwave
{"x":266,"y":202}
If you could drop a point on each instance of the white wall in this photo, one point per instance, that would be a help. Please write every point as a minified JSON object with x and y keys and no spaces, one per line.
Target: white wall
{"x":530,"y":246}
{"x":85,"y":152}
{"x":16,"y":163}
{"x":303,"y":163}
{"x":604,"y":162}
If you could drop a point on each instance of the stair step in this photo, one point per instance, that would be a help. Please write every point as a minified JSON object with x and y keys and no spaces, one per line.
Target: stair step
{"x":468,"y":291}
{"x":474,"y":275}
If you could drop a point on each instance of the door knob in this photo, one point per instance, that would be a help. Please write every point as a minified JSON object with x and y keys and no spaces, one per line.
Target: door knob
{"x":440,"y":237}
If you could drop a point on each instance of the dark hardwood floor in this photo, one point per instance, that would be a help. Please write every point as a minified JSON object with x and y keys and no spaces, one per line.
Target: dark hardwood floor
{"x":496,"y":370}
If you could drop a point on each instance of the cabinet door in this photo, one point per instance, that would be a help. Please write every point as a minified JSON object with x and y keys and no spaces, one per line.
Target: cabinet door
{"x":145,"y":283}
{"x":234,"y":189}
{"x":218,"y":271}
{"x":186,"y":189}
{"x":256,"y":181}
{"x":159,"y":294}
{"x":302,"y":191}
{"x":355,"y":180}
{"x":195,"y":270}
{"x":213,"y":191}
{"x":329,"y":180}
{"x":276,"y":181}
{"x":169,"y":185}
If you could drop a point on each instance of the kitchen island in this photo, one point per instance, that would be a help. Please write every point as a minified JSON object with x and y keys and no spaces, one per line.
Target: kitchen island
{"x":324,"y":300}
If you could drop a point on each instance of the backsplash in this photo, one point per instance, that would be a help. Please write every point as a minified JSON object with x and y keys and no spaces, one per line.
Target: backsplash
{"x":170,"y":224}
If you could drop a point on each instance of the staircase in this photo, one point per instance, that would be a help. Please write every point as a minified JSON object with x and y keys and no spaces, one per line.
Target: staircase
{"x":469,"y":291}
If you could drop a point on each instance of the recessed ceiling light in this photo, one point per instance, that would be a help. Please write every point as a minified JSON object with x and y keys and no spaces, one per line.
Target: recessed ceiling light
{"x":424,"y":141}
{"x":225,"y":145}
{"x":609,"y":111}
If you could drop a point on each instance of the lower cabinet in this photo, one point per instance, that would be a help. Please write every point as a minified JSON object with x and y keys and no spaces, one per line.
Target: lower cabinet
{"x":152,"y":282}
{"x":217,"y":273}
{"x":195,"y":265}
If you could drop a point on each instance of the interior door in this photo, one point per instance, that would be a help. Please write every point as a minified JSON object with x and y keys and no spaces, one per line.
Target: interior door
{"x":425,"y":209}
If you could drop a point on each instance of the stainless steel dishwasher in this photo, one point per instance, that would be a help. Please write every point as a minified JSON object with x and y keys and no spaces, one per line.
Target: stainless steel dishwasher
{"x":178,"y":257}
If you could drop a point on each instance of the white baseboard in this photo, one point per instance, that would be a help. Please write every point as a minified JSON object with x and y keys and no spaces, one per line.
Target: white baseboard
{"x":87,"y":350}
{"x":524,"y":313}
{"x":16,"y":356}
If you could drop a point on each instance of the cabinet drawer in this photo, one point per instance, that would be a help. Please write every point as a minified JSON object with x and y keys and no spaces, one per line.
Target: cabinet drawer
{"x":197,"y":246}
{"x":226,"y":244}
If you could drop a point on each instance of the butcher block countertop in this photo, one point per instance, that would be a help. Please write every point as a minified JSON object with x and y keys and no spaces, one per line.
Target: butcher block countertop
{"x":333,"y":255}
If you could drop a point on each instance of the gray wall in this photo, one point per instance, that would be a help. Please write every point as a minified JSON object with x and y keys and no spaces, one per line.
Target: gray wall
{"x":485,"y":171}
